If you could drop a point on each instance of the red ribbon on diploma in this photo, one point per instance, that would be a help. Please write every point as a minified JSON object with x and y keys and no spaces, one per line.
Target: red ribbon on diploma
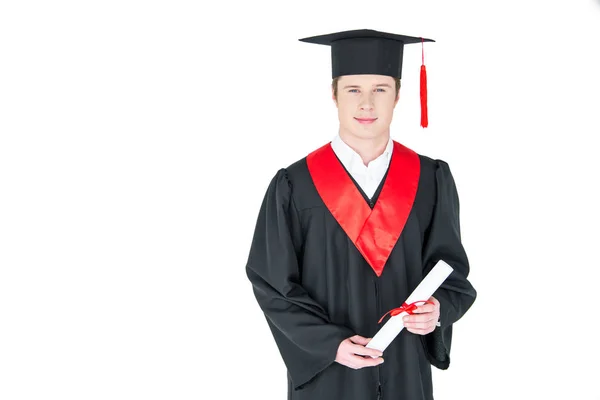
{"x":409,"y":308}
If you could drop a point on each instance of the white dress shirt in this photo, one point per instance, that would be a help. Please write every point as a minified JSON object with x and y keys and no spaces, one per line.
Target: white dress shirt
{"x":368,"y":177}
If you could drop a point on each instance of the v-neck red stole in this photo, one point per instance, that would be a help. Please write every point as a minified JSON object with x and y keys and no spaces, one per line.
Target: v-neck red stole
{"x":375,"y":231}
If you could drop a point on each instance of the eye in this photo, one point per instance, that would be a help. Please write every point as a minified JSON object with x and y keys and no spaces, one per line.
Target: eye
{"x":353,"y":90}
{"x":381,"y":89}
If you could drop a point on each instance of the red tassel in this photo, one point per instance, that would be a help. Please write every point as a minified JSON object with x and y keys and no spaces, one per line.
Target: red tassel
{"x":424,"y":120}
{"x":424,"y":117}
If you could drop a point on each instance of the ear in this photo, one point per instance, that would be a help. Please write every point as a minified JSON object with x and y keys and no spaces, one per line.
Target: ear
{"x":333,"y":97}
{"x":397,"y":98}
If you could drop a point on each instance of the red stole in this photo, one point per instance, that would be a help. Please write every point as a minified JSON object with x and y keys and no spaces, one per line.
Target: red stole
{"x":375,"y":231}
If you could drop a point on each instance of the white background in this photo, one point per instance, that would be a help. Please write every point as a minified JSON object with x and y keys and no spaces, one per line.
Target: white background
{"x":137,"y":139}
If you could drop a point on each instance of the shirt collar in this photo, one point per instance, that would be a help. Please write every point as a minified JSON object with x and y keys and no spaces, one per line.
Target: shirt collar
{"x":351,"y":158}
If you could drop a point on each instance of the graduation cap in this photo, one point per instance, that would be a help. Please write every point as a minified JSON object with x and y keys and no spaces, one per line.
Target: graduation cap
{"x":366,"y":51}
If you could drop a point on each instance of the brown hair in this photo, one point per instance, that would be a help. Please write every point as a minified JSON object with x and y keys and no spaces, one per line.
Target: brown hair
{"x":334,"y":84}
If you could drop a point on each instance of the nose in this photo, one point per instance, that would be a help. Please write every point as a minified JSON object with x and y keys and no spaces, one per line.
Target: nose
{"x":366,"y":103}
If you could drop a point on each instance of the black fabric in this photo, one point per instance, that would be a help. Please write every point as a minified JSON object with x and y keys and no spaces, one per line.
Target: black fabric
{"x":316,"y":289}
{"x":365,"y":51}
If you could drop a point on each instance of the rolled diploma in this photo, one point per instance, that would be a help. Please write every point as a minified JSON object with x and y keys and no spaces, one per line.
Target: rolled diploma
{"x":422,"y":292}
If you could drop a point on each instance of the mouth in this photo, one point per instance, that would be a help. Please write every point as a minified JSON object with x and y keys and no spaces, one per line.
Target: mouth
{"x":365,"y":120}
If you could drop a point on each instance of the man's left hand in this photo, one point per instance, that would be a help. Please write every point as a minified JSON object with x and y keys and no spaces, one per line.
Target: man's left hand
{"x":424,"y":318}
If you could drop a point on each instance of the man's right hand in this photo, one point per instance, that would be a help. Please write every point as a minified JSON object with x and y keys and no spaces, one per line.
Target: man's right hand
{"x":353,"y":354}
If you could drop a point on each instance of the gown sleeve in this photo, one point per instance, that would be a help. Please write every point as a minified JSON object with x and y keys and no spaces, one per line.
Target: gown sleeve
{"x":443,"y":242}
{"x":306,"y":338}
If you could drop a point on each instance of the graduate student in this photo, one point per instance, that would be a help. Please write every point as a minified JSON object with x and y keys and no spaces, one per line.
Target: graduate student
{"x":345,"y":235}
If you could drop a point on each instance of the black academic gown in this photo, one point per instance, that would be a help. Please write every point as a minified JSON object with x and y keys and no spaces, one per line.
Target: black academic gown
{"x":316,"y":288}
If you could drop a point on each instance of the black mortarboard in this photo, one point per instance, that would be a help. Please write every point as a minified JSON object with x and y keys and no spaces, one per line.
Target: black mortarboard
{"x":366,"y":51}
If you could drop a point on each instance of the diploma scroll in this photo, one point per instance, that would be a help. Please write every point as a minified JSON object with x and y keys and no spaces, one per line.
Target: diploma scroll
{"x":422,"y":292}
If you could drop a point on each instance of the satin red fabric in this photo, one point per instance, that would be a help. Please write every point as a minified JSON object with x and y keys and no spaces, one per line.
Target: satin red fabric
{"x":375,"y":231}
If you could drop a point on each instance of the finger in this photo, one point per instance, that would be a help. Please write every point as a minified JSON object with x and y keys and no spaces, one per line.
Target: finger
{"x":360,"y":362}
{"x":419,"y":325}
{"x":425,"y":308}
{"x":418,"y":331}
{"x":350,"y":361}
{"x":365,"y":351}
{"x":420,"y":318}
{"x":360,"y":340}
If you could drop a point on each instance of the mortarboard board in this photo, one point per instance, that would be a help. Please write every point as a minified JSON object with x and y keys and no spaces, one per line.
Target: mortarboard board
{"x":366,"y":51}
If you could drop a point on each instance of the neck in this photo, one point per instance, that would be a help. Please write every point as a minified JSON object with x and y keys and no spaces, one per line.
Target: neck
{"x":368,"y":148}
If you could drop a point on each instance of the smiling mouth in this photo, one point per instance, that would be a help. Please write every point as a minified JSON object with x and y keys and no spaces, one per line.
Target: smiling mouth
{"x":366,"y":120}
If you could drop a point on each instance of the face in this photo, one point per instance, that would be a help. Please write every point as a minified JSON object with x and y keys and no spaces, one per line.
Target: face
{"x":366,"y":105}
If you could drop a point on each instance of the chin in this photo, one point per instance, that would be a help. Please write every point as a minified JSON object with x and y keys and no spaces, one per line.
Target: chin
{"x":367,"y":134}
{"x":368,"y":131}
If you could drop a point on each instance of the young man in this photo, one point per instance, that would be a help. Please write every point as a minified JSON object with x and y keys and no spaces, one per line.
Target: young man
{"x":346,"y":234}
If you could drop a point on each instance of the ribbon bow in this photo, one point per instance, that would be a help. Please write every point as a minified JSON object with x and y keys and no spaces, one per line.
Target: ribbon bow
{"x":408,"y":308}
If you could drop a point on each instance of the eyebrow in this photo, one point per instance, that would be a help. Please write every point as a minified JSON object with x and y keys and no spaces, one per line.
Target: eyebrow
{"x":378,"y":85}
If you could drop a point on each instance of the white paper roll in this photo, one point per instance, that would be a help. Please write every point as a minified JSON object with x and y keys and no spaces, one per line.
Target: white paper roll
{"x":422,"y":292}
